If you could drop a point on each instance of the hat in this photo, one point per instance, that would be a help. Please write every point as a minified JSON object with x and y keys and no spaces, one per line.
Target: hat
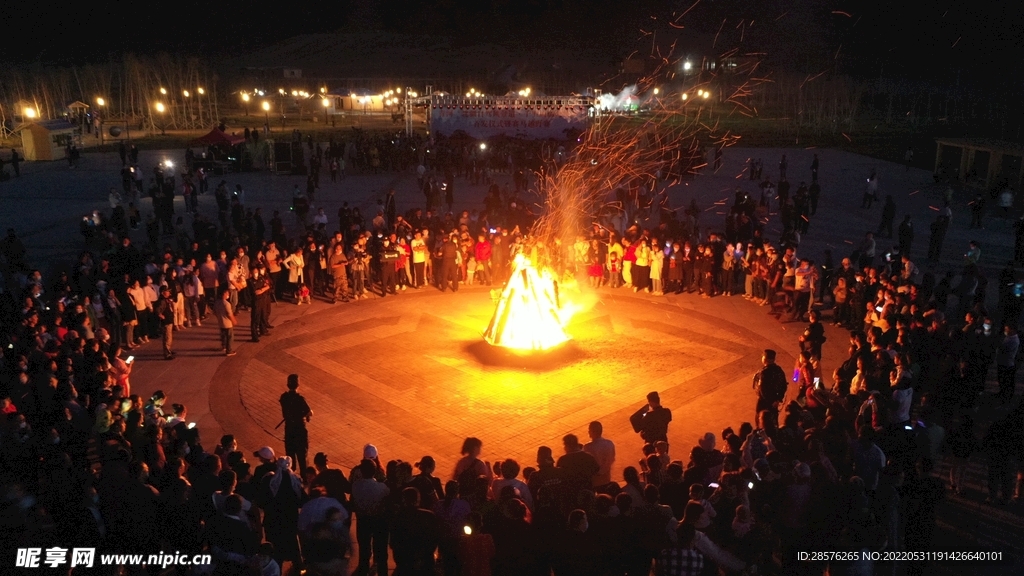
{"x":320,"y":457}
{"x":266,"y":453}
{"x":369,"y":452}
{"x":707,"y":442}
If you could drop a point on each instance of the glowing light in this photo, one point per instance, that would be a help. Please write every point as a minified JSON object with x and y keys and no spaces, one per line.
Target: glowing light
{"x":323,"y":89}
{"x":687,"y":65}
{"x":200,"y":90}
{"x":185,"y":93}
{"x":160,"y":107}
{"x":266,"y":106}
{"x":245,"y":97}
{"x":528,"y":316}
{"x":398,"y":90}
{"x":326,"y":103}
{"x":483,"y":145}
{"x":468,"y":530}
{"x":280,"y":91}
{"x":295,"y":92}
{"x":101,"y":102}
{"x":656,"y":90}
{"x":413,"y":94}
{"x":163,"y":91}
{"x":30,"y":112}
{"x":685,"y":96}
{"x":168,"y":163}
{"x":706,"y":94}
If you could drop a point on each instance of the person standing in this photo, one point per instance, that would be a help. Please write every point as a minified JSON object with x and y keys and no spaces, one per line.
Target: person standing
{"x":603,"y":450}
{"x":938,"y":229}
{"x":165,"y":312}
{"x":906,"y":235}
{"x":225,"y":313}
{"x":888,"y":215}
{"x":977,"y":211}
{"x":814,"y":193}
{"x":338,"y":265}
{"x":1006,"y":363}
{"x":871,"y":191}
{"x":368,"y":502}
{"x":16,"y":162}
{"x":449,"y":265}
{"x":782,"y":167}
{"x":389,"y":257}
{"x":420,"y":255}
{"x":770,"y":385}
{"x":651,"y":420}
{"x":295,"y":413}
{"x":259,"y":318}
{"x":814,"y":170}
{"x":390,"y":210}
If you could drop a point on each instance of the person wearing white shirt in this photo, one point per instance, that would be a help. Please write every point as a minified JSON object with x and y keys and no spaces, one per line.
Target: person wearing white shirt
{"x":320,"y":218}
{"x":603,"y":450}
{"x":509,"y":471}
{"x":315,"y":510}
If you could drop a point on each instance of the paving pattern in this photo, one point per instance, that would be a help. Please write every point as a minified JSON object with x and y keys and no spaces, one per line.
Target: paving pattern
{"x":414,"y":377}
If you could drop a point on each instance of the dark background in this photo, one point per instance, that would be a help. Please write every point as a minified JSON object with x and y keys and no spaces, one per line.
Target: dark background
{"x":971,"y":42}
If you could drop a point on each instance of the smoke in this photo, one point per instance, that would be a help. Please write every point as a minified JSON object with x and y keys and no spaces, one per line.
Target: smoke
{"x":624,"y":100}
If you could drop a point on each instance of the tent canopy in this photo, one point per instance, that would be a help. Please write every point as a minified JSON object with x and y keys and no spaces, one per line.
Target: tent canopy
{"x":218,"y":137}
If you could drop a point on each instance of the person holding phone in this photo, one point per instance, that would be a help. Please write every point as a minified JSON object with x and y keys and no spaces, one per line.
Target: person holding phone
{"x":120,"y":370}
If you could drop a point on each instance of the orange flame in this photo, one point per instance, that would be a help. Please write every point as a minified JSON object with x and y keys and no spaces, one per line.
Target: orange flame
{"x":529,"y":315}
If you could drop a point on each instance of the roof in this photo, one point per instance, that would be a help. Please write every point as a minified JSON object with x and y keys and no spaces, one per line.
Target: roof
{"x":78,"y":104}
{"x":984,"y":145}
{"x":215,"y":137}
{"x":50,"y":125}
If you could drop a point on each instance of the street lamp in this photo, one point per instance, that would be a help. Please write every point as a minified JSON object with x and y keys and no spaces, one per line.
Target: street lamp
{"x":266,"y":109}
{"x":100,"y":102}
{"x":185,"y":93}
{"x":160,"y":108}
{"x":200,"y":91}
{"x":327,"y":104}
{"x":30,"y":112}
{"x":163,"y":91}
{"x":245,"y":98}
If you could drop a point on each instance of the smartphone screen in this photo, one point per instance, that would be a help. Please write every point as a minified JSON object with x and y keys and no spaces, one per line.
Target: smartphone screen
{"x":130,"y":360}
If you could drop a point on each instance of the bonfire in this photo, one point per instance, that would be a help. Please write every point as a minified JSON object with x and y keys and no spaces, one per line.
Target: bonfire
{"x":528,"y":316}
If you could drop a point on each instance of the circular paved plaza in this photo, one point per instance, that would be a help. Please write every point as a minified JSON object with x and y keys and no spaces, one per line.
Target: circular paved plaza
{"x":412,"y":375}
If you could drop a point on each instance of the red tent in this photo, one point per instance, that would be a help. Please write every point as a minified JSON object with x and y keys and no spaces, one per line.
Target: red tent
{"x":217,"y":137}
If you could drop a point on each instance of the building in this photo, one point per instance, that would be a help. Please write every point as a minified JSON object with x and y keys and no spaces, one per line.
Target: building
{"x":514,"y":116}
{"x":47,"y":139}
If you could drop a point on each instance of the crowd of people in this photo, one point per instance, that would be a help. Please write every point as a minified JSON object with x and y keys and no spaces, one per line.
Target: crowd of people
{"x":844,"y":463}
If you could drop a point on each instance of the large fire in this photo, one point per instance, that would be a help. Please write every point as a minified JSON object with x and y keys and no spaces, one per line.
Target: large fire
{"x":529,"y":315}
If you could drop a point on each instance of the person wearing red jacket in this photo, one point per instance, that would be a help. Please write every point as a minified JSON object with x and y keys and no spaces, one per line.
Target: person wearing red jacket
{"x":483,"y":260}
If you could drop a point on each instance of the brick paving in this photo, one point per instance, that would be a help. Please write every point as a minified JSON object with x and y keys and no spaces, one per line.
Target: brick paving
{"x":412,"y":376}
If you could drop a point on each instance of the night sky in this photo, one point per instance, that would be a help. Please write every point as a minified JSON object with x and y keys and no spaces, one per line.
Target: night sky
{"x":980,"y":40}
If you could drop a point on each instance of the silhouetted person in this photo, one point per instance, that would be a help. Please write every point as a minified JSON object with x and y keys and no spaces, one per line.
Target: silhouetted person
{"x":651,"y":420}
{"x":295,"y":413}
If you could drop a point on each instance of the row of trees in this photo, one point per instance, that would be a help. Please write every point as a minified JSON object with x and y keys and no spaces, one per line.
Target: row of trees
{"x":133,"y":89}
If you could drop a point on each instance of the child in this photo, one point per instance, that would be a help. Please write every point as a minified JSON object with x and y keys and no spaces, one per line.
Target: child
{"x":470,"y":270}
{"x":614,"y":270}
{"x":742,"y":522}
{"x":840,"y":296}
{"x":697,"y":495}
{"x":661,"y":449}
{"x":596,"y":273}
{"x":657,"y":265}
{"x":303,"y":295}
